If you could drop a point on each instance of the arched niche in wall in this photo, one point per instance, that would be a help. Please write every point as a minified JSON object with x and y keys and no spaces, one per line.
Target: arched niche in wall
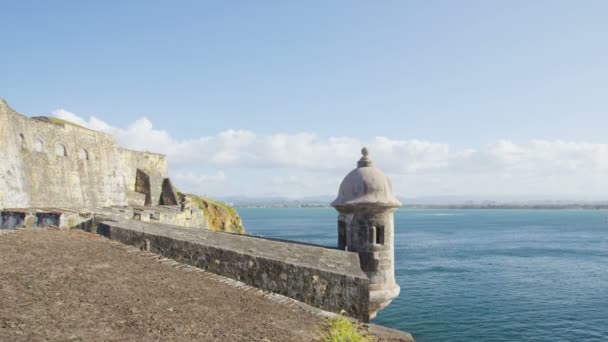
{"x":83,"y":154}
{"x":22,"y":140}
{"x":60,"y":150}
{"x":39,"y":145}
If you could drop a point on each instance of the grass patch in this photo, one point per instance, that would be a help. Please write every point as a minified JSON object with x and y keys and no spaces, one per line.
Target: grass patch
{"x":59,"y":121}
{"x":222,"y":205}
{"x":340,"y":329}
{"x":219,"y":215}
{"x":199,"y":200}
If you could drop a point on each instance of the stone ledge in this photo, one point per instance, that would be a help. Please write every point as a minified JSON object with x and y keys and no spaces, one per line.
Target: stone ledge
{"x":388,"y":334}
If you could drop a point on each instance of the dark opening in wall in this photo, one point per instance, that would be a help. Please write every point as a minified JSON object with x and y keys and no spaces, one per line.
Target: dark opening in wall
{"x":142,"y":185}
{"x":341,"y":234}
{"x":22,"y":140}
{"x":38,"y":145}
{"x":60,"y":150}
{"x":168,"y":195}
{"x":48,"y":219}
{"x":12,"y":219}
{"x":83,"y":154}
{"x":380,"y":235}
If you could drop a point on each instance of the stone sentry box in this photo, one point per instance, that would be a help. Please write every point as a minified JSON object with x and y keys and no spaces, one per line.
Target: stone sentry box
{"x":366,"y":204}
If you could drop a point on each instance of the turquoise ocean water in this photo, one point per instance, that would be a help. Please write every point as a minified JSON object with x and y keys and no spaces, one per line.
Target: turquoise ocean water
{"x":481,"y":275}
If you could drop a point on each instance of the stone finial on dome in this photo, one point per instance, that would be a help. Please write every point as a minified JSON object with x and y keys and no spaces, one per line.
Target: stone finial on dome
{"x":365,"y":159}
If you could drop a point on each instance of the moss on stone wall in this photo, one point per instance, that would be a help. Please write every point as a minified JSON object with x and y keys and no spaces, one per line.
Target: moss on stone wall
{"x":219,"y":216}
{"x":56,"y":120}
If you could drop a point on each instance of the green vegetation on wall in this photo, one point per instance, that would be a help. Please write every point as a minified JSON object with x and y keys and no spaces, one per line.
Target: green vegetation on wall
{"x":219,"y":216}
{"x":56,"y":120}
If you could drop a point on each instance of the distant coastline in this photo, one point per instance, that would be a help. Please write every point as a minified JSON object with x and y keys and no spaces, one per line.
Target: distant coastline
{"x":427,"y":203}
{"x":572,"y":206}
{"x":547,"y":206}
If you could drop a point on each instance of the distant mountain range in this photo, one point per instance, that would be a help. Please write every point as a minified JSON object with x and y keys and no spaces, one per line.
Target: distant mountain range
{"x":275,"y":201}
{"x":438,"y":202}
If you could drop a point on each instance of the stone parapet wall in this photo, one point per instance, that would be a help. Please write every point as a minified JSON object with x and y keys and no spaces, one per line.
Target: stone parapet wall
{"x":326,"y":278}
{"x":18,"y":218}
{"x":12,"y":219}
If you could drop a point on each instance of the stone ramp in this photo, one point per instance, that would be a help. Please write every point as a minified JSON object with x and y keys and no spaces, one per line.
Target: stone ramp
{"x":70,"y":285}
{"x":325,"y":278}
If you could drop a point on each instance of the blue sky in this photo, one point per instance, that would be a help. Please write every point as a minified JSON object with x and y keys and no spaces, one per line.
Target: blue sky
{"x":468,"y":75}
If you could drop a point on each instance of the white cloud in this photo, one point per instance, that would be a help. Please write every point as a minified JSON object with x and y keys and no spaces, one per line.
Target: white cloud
{"x":199,"y":179}
{"x":71,"y":117}
{"x":306,"y":164}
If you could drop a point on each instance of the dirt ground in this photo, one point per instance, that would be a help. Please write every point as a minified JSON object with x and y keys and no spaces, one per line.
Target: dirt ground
{"x":74,"y":286}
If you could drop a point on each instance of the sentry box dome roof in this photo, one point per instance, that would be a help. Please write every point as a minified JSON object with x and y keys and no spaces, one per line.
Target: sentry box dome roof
{"x":365,"y":186}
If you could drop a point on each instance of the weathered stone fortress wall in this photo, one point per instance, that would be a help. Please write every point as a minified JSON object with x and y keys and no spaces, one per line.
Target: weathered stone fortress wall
{"x":62,"y":165}
{"x":153,"y":171}
{"x":54,"y":173}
